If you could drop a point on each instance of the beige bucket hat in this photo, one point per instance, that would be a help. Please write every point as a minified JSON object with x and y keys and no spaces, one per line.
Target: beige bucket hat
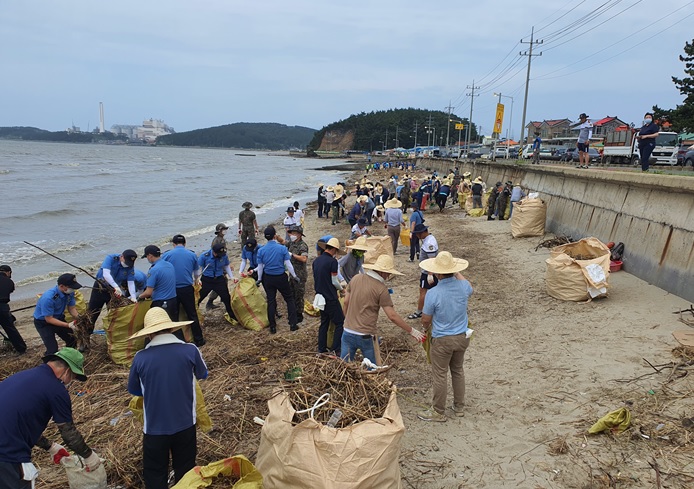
{"x":444,"y":263}
{"x":384,"y":263}
{"x":392,"y":204}
{"x":157,"y":320}
{"x":359,"y":244}
{"x":363,"y":199}
{"x":477,"y":180}
{"x":332,"y":242}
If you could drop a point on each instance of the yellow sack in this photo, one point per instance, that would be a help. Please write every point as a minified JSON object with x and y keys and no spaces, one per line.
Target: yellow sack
{"x":249,"y":305}
{"x":427,"y":345}
{"x":310,"y":310}
{"x":405,"y":233}
{"x":331,"y":326}
{"x":79,"y":304}
{"x":120,"y":324}
{"x":616,"y":421}
{"x":481,"y":212}
{"x":202,"y":419}
{"x":238,"y":467}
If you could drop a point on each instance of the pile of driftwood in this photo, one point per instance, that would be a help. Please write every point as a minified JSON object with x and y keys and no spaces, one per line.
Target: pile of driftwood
{"x":556,"y":241}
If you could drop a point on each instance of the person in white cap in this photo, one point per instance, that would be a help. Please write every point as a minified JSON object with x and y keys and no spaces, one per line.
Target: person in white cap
{"x":445,"y":315}
{"x":365,"y":296}
{"x":164,"y":374}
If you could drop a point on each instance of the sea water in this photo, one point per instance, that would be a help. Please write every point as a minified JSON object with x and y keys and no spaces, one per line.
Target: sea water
{"x":84,"y":201}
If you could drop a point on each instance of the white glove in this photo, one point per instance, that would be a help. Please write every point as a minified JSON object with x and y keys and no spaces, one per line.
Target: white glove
{"x":417,"y":335}
{"x":117,"y":292}
{"x":133,"y":299}
{"x":92,"y":462}
{"x":72,"y":325}
{"x":430,"y":279}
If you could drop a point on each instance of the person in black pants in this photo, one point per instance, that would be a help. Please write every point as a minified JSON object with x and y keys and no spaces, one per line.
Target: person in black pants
{"x":321,"y":201}
{"x":327,"y":285}
{"x":214,"y":263}
{"x":6,"y":317}
{"x":272,"y":260}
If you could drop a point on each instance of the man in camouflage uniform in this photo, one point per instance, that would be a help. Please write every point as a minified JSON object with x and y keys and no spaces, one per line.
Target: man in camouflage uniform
{"x":503,"y":199}
{"x":248,"y":226}
{"x":298,"y":249}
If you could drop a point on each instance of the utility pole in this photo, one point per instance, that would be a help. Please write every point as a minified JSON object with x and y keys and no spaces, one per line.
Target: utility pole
{"x":429,"y":131}
{"x":448,"y":124}
{"x":397,"y":143}
{"x":415,"y":138}
{"x":472,"y":96}
{"x":529,"y":54}
{"x":386,"y":140}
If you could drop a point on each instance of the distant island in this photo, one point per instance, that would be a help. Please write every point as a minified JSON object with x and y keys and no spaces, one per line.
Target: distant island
{"x":25,"y":133}
{"x":243,"y":135}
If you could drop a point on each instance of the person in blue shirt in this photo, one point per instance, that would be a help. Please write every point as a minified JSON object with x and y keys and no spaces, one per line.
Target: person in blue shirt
{"x":214,"y":263}
{"x":537,"y":143}
{"x":445,"y":315}
{"x":647,"y":134}
{"x":30,"y":399}
{"x":185,"y":264}
{"x":49,"y":315}
{"x":115,"y":270}
{"x":416,"y":218}
{"x":164,"y":375}
{"x":249,"y":258}
{"x":140,"y":282}
{"x":161,"y":282}
{"x":273,"y":258}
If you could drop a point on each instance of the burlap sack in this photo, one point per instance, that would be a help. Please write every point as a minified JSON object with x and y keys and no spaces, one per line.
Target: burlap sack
{"x":566,"y":277}
{"x":528,"y":219}
{"x":249,"y":305}
{"x":311,"y":455}
{"x":120,"y":324}
{"x":379,"y":245}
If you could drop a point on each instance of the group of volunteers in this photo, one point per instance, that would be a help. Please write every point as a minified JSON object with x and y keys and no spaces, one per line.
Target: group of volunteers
{"x":348,"y":293}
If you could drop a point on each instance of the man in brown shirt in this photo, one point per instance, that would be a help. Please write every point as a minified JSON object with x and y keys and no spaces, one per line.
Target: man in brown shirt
{"x":366,"y":294}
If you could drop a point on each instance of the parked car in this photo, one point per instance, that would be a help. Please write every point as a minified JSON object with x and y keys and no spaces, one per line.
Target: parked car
{"x":688,"y":158}
{"x":569,"y":154}
{"x":681,"y":151}
{"x":557,"y":154}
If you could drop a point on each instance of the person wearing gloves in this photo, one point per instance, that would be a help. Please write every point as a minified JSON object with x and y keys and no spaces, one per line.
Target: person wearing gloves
{"x":164,"y":375}
{"x":327,"y":285}
{"x":273,"y":258}
{"x":214,"y":264}
{"x":185,"y":264}
{"x":49,"y":315}
{"x":249,"y":258}
{"x":350,"y":265}
{"x":30,"y":399}
{"x":445,"y":314}
{"x":298,"y":250}
{"x":365,"y":296}
{"x":115,"y":270}
{"x":360,"y":229}
{"x":219,"y":239}
{"x":161,"y":282}
{"x":429,"y":248}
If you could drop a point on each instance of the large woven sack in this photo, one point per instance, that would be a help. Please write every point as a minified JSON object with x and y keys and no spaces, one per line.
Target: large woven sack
{"x":405,"y":233}
{"x":202,"y":418}
{"x":79,"y":478}
{"x":466,"y":201}
{"x":121,"y":323}
{"x":567,"y":277}
{"x":528,"y":219}
{"x":80,"y":304}
{"x":249,"y":305}
{"x":379,"y":245}
{"x":311,"y":455}
{"x":238,"y":467}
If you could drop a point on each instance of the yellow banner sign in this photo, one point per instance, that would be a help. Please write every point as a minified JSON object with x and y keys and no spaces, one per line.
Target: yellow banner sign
{"x":499,"y":119}
{"x":459,"y":127}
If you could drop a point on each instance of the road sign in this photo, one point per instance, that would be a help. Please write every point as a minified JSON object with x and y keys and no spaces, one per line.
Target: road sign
{"x":499,"y":119}
{"x":459,"y":127}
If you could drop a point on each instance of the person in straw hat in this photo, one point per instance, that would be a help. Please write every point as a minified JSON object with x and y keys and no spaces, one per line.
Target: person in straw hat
{"x":350,"y":265}
{"x":329,"y":199}
{"x":366,"y":294}
{"x":30,"y":399}
{"x":394,"y":221}
{"x":164,"y":374}
{"x":445,"y":316}
{"x":248,"y":225}
{"x":358,"y":210}
{"x":327,"y":285}
{"x":477,"y":189}
{"x":337,"y":203}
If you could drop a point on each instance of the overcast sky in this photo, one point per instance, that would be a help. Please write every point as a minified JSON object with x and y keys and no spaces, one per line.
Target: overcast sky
{"x":310,"y":63}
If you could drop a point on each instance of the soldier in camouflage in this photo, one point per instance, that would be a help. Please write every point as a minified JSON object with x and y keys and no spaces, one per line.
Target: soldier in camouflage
{"x":248,"y":226}
{"x":298,"y":249}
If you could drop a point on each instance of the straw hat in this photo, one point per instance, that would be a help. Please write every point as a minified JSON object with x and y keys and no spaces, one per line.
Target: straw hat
{"x":363,"y":198}
{"x":330,"y":188}
{"x":443,"y":263}
{"x":467,"y":174}
{"x":359,"y":244}
{"x":380,"y":208}
{"x":392,"y":204}
{"x":477,"y":180}
{"x":332,"y":242}
{"x":384,"y":263}
{"x":157,"y":320}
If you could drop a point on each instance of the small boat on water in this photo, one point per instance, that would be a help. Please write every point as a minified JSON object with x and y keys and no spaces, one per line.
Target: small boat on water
{"x":244,"y":154}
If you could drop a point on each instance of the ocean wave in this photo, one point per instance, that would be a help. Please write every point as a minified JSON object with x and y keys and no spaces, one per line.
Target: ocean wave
{"x":71,"y":164}
{"x":4,"y":172}
{"x":18,"y":253}
{"x":42,"y":214}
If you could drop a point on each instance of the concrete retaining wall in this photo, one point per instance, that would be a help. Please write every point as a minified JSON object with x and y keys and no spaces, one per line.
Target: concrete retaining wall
{"x":652,"y":214}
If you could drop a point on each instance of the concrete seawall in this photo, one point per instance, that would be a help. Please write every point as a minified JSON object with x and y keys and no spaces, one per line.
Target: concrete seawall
{"x":652,"y":214}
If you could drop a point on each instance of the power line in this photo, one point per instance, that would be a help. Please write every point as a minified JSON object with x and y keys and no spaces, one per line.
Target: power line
{"x":561,"y":16}
{"x":581,"y":21}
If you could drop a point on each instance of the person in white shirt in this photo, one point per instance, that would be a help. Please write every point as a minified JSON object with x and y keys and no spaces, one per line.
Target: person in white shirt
{"x":289,"y":221}
{"x":360,"y":229}
{"x":298,"y":213}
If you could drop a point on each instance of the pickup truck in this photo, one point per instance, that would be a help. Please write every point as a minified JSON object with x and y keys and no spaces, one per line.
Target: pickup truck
{"x":622,"y":147}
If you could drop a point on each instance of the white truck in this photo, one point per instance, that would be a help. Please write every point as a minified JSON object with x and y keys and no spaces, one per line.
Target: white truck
{"x":622,"y":146}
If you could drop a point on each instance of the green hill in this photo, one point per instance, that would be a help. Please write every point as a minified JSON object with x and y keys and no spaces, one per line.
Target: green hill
{"x":36,"y":134}
{"x":243,"y":135}
{"x":379,"y":130}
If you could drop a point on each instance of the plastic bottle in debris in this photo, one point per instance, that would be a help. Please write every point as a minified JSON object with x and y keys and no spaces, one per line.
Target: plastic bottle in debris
{"x":335,"y":418}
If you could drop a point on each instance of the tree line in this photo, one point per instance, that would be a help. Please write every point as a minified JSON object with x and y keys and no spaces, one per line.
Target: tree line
{"x":243,"y":135}
{"x":682,"y":116}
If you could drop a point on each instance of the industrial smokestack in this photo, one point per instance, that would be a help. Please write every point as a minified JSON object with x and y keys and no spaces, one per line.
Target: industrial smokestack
{"x":101,"y":117}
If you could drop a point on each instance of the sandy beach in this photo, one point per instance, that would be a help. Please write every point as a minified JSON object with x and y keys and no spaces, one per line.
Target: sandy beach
{"x":539,"y":373}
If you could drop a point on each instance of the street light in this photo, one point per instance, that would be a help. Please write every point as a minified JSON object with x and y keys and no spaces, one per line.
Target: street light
{"x":510,"y":119}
